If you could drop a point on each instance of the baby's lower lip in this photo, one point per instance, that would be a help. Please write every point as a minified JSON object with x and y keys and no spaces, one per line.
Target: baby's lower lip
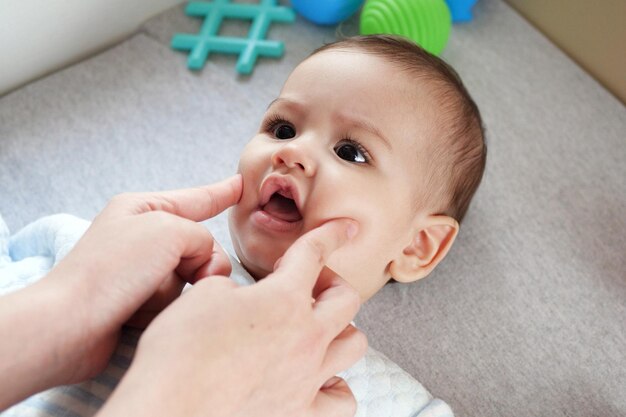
{"x":266,"y":221}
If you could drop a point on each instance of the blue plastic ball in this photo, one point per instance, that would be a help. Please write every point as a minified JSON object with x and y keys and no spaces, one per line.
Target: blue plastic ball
{"x":326,"y":12}
{"x":461,"y":10}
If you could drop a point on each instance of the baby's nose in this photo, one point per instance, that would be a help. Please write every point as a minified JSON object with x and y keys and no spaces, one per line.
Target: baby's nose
{"x":294,"y":156}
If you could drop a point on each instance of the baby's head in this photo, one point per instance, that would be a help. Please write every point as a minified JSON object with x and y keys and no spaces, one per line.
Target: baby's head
{"x":370,"y":128}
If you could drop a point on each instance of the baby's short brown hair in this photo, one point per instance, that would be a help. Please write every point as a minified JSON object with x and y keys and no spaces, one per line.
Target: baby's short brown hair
{"x":457,"y":161}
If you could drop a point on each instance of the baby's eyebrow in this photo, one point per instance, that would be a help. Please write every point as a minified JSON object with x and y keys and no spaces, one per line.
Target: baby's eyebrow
{"x":272,"y":103}
{"x":363,"y":124}
{"x":298,"y":107}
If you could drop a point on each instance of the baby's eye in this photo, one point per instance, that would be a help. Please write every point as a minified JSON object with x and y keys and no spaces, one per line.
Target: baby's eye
{"x":351,"y":151}
{"x":279,"y":127}
{"x":284,"y":131}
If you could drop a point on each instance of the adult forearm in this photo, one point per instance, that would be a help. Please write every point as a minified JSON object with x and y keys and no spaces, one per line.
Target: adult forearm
{"x":33,"y":334}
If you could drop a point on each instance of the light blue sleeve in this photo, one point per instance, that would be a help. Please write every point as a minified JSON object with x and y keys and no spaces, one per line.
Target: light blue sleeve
{"x":34,"y":250}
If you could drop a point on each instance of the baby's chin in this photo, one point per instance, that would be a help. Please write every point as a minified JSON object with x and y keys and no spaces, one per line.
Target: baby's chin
{"x":257,"y":266}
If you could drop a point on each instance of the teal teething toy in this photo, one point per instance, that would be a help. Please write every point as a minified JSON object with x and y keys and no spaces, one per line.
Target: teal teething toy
{"x":249,"y":49}
{"x":426,"y":22}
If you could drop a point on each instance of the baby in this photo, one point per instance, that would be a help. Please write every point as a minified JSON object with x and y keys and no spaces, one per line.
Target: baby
{"x":371,"y":128}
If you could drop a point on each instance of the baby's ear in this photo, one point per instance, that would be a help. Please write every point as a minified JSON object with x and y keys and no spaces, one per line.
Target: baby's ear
{"x":430,"y":243}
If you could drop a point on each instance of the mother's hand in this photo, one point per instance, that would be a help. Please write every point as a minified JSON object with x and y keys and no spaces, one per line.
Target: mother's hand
{"x":266,"y":350}
{"x":140,"y":250}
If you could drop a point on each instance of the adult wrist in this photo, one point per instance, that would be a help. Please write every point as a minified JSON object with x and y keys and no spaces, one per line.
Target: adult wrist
{"x":36,"y":335}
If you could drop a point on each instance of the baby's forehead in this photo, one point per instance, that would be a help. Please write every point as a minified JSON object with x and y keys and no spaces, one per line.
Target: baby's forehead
{"x":405,"y":105}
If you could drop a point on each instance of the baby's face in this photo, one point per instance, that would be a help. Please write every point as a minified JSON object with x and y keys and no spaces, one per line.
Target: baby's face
{"x":343,"y":140}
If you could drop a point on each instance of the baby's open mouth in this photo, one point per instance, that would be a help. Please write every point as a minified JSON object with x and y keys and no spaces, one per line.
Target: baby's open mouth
{"x":282,"y":206}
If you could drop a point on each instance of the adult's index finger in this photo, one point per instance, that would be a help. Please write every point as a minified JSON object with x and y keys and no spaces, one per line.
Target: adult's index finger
{"x":198,"y":203}
{"x":304,"y":260}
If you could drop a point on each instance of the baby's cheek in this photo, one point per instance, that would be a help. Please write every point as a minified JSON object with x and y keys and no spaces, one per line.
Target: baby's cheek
{"x":347,"y":262}
{"x":254,"y":160}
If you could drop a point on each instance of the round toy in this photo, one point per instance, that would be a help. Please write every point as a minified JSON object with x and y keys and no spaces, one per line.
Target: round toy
{"x":461,"y":10}
{"x":426,"y":22}
{"x":326,"y":12}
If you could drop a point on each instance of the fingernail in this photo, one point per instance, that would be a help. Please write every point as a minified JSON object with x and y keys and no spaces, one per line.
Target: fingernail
{"x":352,"y":230}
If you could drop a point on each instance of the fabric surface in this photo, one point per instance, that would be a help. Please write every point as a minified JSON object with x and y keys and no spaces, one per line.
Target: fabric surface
{"x":526,"y":315}
{"x":381,"y":388}
{"x":33,"y":251}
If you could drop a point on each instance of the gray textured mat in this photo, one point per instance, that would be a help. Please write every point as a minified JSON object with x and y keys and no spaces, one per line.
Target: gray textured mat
{"x":525,"y":317}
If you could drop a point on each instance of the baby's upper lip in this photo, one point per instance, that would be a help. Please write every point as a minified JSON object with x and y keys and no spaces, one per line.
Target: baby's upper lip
{"x":281,"y":184}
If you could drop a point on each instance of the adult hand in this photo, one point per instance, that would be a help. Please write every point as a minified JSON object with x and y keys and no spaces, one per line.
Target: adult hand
{"x":264,"y":350}
{"x":142,"y":247}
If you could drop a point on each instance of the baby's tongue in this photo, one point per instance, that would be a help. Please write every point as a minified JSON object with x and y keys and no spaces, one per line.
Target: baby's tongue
{"x":283,"y":208}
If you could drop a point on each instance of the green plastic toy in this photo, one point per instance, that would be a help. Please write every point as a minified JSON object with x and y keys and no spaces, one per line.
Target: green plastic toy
{"x":208,"y":40}
{"x":426,"y":22}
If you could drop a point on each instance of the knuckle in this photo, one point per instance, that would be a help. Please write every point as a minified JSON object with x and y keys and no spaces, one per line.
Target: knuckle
{"x":360,"y":342}
{"x":121,"y":198}
{"x":157,"y":202}
{"x":212,"y":203}
{"x":160,"y":217}
{"x":124,"y":196}
{"x":163,"y":222}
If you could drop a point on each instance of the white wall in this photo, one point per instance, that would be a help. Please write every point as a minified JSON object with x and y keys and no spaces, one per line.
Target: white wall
{"x":41,"y":36}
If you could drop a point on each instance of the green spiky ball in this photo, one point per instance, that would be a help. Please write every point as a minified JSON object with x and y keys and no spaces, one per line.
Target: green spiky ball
{"x":426,"y":22}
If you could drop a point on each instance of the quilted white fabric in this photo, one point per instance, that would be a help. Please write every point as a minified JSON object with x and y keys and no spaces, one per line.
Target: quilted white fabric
{"x":382,"y":388}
